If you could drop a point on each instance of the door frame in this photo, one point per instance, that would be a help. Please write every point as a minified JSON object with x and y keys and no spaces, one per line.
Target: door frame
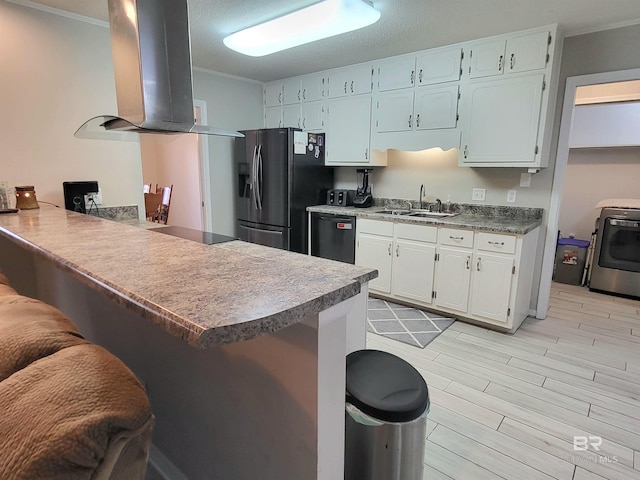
{"x":562,"y":158}
{"x":204,"y":169}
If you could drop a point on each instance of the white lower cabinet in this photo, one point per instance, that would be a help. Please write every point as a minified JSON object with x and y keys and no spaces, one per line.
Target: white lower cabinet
{"x":403,"y":254}
{"x":491,"y":286}
{"x":454,"y":274}
{"x":485,"y":277}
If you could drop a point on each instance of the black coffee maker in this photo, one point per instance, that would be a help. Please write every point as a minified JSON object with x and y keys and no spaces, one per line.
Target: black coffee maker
{"x":363,"y":196}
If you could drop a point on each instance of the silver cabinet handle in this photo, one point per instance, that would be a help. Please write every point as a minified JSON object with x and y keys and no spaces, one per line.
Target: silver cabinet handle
{"x":397,"y":250}
{"x":496,"y":243}
{"x":280,"y":97}
{"x":366,"y":154}
{"x":351,"y":86}
{"x":478,"y":264}
{"x":500,"y":63}
{"x":418,"y":120}
{"x":304,"y":94}
{"x":410,"y":117}
{"x":455,"y":238}
{"x":512,"y":61}
{"x":345,"y":87}
{"x":420,"y":76}
{"x":413,"y":77}
{"x":466,"y":151}
{"x":298,"y":95}
{"x":389,"y":249}
{"x":468,"y":260}
{"x":304,"y":123}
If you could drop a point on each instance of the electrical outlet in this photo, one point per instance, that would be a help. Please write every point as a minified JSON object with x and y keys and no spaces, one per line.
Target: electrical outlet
{"x":94,"y":197}
{"x":511,"y":196}
{"x":478,"y":194}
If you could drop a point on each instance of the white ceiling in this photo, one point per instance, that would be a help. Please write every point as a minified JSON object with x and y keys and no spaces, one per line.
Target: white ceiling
{"x":405,"y":26}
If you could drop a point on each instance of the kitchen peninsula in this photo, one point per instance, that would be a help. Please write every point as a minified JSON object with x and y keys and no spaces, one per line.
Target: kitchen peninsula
{"x":241,"y":347}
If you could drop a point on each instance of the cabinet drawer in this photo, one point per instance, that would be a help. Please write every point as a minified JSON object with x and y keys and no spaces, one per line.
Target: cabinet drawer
{"x":493,"y":242}
{"x":418,"y":233}
{"x":452,"y":236}
{"x":375,"y":227}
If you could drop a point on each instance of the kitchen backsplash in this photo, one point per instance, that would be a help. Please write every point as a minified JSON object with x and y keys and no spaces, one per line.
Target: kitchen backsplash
{"x":498,"y":211}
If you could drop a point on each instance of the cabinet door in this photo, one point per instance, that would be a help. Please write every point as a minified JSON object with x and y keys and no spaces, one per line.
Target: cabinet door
{"x":394,"y":112}
{"x":413,"y":269}
{"x":527,"y":52}
{"x":291,"y":116}
{"x":395,"y":74}
{"x":500,"y":120}
{"x":487,"y":59}
{"x":291,"y":91}
{"x":442,"y":65}
{"x":350,"y":81}
{"x":491,"y":286}
{"x":312,"y":116}
{"x":273,"y":117}
{"x":273,"y":94}
{"x":313,"y":88}
{"x":375,"y":252}
{"x":436,"y":107}
{"x":349,"y":124}
{"x":453,"y":274}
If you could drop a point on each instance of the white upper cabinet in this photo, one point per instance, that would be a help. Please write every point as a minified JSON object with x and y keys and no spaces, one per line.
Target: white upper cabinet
{"x":350,"y":81}
{"x":291,"y":91}
{"x":396,"y":73}
{"x":439,"y":66}
{"x":501,"y":120}
{"x":519,"y":53}
{"x":313,"y":116}
{"x":291,"y":116}
{"x":313,"y":88}
{"x":394,"y":111}
{"x":273,"y":117}
{"x":348,"y":131}
{"x":273,"y":94}
{"x":436,"y":107}
{"x":527,"y":52}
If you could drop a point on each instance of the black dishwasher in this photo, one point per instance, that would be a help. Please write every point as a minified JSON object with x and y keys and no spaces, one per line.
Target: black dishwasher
{"x":333,"y":237}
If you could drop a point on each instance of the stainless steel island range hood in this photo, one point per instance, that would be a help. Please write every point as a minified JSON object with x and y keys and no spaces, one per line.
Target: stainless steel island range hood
{"x":151,"y":51}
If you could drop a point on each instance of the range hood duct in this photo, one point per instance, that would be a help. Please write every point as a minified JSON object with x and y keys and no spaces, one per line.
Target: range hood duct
{"x":151,"y":50}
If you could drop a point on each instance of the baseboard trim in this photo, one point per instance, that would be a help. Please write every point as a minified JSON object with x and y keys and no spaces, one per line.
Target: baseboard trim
{"x":163,"y":466}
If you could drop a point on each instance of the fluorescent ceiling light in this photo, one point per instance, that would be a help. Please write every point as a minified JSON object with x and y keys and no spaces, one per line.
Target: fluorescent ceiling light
{"x":320,"y":20}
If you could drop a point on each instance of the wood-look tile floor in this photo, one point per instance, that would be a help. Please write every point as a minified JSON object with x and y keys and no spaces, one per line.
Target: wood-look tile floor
{"x":510,"y":406}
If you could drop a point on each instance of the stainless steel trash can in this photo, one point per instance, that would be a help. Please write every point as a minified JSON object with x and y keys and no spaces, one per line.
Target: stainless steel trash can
{"x":385,"y":417}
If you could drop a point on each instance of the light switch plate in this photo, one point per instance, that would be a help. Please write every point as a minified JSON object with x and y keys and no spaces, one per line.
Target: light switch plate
{"x":511,"y":196}
{"x":478,"y":194}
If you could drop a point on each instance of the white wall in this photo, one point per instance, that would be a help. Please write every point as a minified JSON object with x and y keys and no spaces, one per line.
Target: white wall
{"x":594,"y":175}
{"x":234,"y":104}
{"x":174,"y":160}
{"x":55,"y":73}
{"x":441,"y":176}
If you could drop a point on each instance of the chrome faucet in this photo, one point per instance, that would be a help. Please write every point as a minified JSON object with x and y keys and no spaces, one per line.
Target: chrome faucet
{"x":421,"y":194}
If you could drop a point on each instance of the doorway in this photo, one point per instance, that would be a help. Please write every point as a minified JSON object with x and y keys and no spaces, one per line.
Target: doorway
{"x":562,"y":159}
{"x":181,"y":161}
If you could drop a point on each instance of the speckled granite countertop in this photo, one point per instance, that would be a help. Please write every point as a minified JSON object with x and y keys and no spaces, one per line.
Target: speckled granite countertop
{"x":206,"y":295}
{"x":516,"y":220}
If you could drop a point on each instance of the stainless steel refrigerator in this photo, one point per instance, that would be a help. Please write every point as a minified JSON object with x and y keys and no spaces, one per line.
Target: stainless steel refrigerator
{"x":280,"y":172}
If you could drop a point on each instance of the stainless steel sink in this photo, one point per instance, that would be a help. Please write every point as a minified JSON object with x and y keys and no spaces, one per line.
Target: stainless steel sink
{"x":389,"y":211}
{"x":426,"y":214}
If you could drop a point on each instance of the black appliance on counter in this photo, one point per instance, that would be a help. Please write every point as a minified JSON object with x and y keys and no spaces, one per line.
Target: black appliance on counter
{"x":340,"y":198}
{"x":333,"y":237}
{"x":199,"y":236}
{"x":280,"y":172}
{"x":363,"y":196}
{"x":74,"y":193}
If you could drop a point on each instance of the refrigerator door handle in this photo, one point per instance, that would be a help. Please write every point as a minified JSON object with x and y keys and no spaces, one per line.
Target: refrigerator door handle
{"x":254,"y":162}
{"x":259,"y":177}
